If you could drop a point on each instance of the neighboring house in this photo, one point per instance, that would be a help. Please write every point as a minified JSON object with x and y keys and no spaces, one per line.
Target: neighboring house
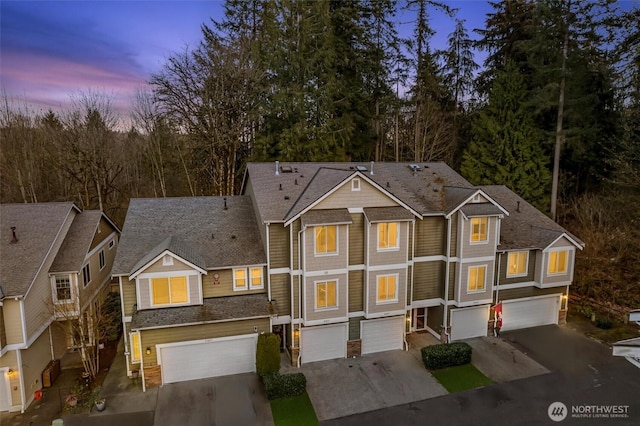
{"x":630,"y":348}
{"x":55,"y":265}
{"x":339,"y":259}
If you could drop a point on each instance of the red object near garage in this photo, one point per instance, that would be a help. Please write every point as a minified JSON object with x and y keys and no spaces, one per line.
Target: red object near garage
{"x":38,"y":394}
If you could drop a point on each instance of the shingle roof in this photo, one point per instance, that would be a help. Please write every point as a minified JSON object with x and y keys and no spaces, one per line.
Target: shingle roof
{"x":213,"y":309}
{"x":383,"y":214}
{"x":480,"y":209}
{"x":222,"y":237}
{"x":321,"y":217}
{"x":526,"y":226}
{"x":37,"y":227}
{"x":74,"y":249}
{"x":176,"y":246}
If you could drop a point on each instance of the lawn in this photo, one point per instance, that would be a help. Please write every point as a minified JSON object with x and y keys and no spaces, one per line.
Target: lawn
{"x":461,"y":377}
{"x":294,"y":411}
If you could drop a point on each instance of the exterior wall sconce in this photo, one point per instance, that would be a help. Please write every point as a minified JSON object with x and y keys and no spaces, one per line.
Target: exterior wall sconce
{"x":148,"y":351}
{"x":11,"y":372}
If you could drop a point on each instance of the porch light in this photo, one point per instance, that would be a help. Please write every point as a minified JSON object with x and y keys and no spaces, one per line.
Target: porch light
{"x":148,"y":351}
{"x":11,"y":372}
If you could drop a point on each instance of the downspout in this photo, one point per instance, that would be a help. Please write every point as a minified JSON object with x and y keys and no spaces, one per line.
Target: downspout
{"x":268,"y":266}
{"x":300,"y":235}
{"x":497,"y":286}
{"x":125,"y":336}
{"x":23,"y":396}
{"x":144,"y":386}
{"x":447,"y":272}
{"x":413,"y":256}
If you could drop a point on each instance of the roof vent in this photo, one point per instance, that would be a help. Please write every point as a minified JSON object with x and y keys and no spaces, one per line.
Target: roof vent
{"x":277,"y":168}
{"x":14,"y":238}
{"x":286,"y":169}
{"x":225,"y":203}
{"x":361,"y":168}
{"x":415,"y":167}
{"x":280,"y":187}
{"x":371,"y":172}
{"x":518,"y":206}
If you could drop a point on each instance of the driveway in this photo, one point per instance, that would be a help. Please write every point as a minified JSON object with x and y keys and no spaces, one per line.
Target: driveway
{"x":229,"y":400}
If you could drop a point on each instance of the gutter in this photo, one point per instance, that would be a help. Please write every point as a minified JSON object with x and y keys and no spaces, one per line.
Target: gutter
{"x":300,"y":234}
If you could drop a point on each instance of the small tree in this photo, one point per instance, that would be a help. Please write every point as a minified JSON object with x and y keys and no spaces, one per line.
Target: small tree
{"x":268,"y":354}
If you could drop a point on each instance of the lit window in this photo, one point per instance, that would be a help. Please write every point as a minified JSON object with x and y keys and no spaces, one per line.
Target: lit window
{"x":256,"y":278}
{"x":478,"y":229}
{"x":86,"y":274}
{"x":388,"y":236}
{"x":168,"y":291}
{"x":387,"y":289}
{"x":326,"y":294}
{"x":135,"y":347}
{"x":239,"y":279}
{"x":517,"y":263}
{"x":102,"y":261}
{"x":63,"y":288}
{"x":326,"y":239}
{"x":558,"y":262}
{"x":476,"y":278}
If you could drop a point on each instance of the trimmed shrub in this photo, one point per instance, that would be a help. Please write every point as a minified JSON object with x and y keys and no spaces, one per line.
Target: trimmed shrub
{"x":446,"y":355}
{"x":604,"y":323}
{"x":284,"y":385}
{"x":268,"y":354}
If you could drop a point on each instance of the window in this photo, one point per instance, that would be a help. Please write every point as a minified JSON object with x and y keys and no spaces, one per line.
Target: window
{"x":101,"y":257}
{"x":479,"y":229}
{"x":387,"y":289}
{"x":167,"y":260}
{"x":111,"y":244}
{"x":388,"y":236}
{"x":326,"y":239}
{"x":476,"y":278}
{"x":135,"y":347}
{"x":517,"y":263}
{"x":86,"y":274}
{"x":169,"y":291}
{"x":239,"y":279}
{"x":326,"y":294}
{"x":558,"y":262}
{"x":355,"y":185}
{"x":256,"y":278}
{"x":63,"y":288}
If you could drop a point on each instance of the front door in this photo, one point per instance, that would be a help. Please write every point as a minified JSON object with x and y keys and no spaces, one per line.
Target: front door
{"x":420,"y":319}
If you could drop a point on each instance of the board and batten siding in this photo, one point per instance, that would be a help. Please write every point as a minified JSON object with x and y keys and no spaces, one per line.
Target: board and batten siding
{"x":278,"y":246}
{"x":153,"y":337}
{"x":344,"y":197}
{"x":356,"y":289}
{"x":356,"y":239}
{"x":517,"y":293}
{"x":531,"y":267}
{"x":281,"y":292}
{"x":430,"y":236}
{"x":428,"y":280}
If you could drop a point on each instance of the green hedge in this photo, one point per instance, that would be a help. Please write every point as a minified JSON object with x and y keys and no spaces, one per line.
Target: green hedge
{"x":284,"y":385}
{"x":446,"y":355}
{"x":268,"y":354}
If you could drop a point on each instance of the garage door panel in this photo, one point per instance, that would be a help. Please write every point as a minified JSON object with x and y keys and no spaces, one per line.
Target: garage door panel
{"x":323,"y":342}
{"x":517,"y":314}
{"x":382,"y":335}
{"x":198,"y":360}
{"x":469,"y":322}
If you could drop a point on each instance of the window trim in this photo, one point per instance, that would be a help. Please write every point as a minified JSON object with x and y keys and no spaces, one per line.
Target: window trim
{"x":316,"y":284}
{"x":566,"y":262}
{"x":526,"y":264}
{"x":86,"y":274}
{"x":397,"y":243}
{"x":102,"y":261}
{"x":112,"y":243}
{"x":471,"y":233}
{"x":235,"y":279}
{"x":397,"y":288}
{"x":55,"y":287}
{"x":250,"y":275}
{"x":171,"y":303}
{"x":484,"y":280}
{"x":315,"y":242}
{"x":135,"y":349}
{"x":355,"y":185}
{"x":167,"y":260}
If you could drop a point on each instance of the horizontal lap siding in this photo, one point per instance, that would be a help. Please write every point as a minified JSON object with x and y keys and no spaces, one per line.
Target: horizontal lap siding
{"x":150,"y":338}
{"x":295,"y":229}
{"x":354,"y":328}
{"x":225,"y":286}
{"x":356,"y":288}
{"x":517,"y":293}
{"x":356,"y":240}
{"x":128,"y":296}
{"x":3,"y":334}
{"x":483,"y":249}
{"x":10,"y":359}
{"x":278,"y":246}
{"x":14,"y":318}
{"x":430,"y":237}
{"x":454,"y":234}
{"x":311,"y":314}
{"x":504,"y":262}
{"x":34,"y":360}
{"x":281,"y":293}
{"x":452,"y":281}
{"x":428,"y":280}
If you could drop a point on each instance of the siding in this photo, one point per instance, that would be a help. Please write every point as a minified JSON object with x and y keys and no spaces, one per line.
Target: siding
{"x":356,"y":289}
{"x":430,"y":236}
{"x":225,"y":288}
{"x":464,"y":296}
{"x":531,"y":266}
{"x":428,"y":280}
{"x":296,"y":297}
{"x":356,"y":240}
{"x":517,"y":293}
{"x":388,"y":257}
{"x":128,"y":296}
{"x":344,"y":197}
{"x":144,"y":287}
{"x":278,"y":246}
{"x":106,"y":230}
{"x":295,"y":228}
{"x":481,"y":249}
{"x":281,"y":293}
{"x":3,"y":333}
{"x":151,"y":338}
{"x":326,"y":262}
{"x":310,"y":313}
{"x":434,"y":318}
{"x":372,"y":293}
{"x":452,"y":281}
{"x":99,"y":278}
{"x":559,"y":278}
{"x":157,"y":266}
{"x":10,"y":360}
{"x":34,"y":360}
{"x":454,"y":234}
{"x":12,"y":314}
{"x":354,"y":328}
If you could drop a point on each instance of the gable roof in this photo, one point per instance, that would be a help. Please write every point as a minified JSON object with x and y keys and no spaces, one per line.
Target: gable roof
{"x":525,"y":226}
{"x":38,"y":226}
{"x":203,"y":231}
{"x":77,"y":242}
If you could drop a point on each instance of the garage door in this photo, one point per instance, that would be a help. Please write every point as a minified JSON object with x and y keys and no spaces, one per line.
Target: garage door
{"x":323,"y":342}
{"x":530,"y":313}
{"x":4,"y":391}
{"x":208,"y":358}
{"x":469,"y":322}
{"x":382,"y":334}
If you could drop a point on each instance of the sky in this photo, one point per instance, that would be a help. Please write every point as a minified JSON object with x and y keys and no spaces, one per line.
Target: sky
{"x":51,"y":51}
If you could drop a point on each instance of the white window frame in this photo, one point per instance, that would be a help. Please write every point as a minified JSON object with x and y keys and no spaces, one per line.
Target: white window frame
{"x":132,"y":350}
{"x":316,"y":284}
{"x":355,"y":185}
{"x":55,"y":288}
{"x":250,"y":279}
{"x":112,"y":243}
{"x":171,"y":303}
{"x":566,"y":263}
{"x":387,"y":301}
{"x":395,"y":247}
{"x":167,"y":260}
{"x":86,"y":272}
{"x":526,"y":263}
{"x":102,"y":260}
{"x":235,"y":280}
{"x":486,"y":240}
{"x":315,"y":244}
{"x":484,"y":279}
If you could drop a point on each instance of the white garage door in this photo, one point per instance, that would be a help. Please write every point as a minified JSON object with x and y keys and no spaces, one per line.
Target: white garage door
{"x":324,"y":342}
{"x":382,"y":334}
{"x":4,"y":391}
{"x":469,"y":322}
{"x":208,"y":358}
{"x":530,"y":313}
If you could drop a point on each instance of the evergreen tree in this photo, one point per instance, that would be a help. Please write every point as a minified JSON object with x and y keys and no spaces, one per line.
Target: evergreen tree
{"x":506,"y":147}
